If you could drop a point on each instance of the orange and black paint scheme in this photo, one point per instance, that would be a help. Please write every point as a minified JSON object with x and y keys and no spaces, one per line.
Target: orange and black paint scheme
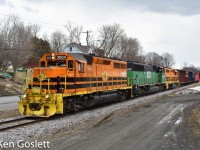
{"x":172,"y":77}
{"x":66,"y":82}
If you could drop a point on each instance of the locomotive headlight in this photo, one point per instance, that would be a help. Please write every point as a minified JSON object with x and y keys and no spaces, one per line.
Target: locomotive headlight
{"x":47,"y":96}
{"x":53,"y":54}
{"x":24,"y":96}
{"x":53,"y":57}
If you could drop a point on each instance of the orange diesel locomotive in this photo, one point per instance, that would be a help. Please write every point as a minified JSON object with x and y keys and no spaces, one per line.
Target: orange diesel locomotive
{"x":172,"y":77}
{"x":66,"y":82}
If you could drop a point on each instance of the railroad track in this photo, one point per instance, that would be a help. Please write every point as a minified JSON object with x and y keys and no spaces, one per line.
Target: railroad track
{"x":18,"y":122}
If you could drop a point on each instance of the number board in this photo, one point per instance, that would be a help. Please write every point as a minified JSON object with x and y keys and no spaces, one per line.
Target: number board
{"x":61,"y":57}
{"x":49,"y":57}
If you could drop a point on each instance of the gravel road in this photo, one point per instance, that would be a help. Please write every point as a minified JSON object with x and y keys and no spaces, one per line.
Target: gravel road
{"x":8,"y":102}
{"x":154,"y":126}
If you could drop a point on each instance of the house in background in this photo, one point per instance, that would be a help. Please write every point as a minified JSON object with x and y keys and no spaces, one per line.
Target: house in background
{"x":78,"y":48}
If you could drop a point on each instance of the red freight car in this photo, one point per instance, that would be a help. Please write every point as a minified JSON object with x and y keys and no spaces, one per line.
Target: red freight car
{"x":183,"y":77}
{"x":196,"y":77}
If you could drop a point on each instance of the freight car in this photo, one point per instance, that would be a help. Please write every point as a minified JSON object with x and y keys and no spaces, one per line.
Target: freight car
{"x":145,"y":78}
{"x":191,"y":77}
{"x":183,"y":77}
{"x":196,"y":77}
{"x":70,"y":82}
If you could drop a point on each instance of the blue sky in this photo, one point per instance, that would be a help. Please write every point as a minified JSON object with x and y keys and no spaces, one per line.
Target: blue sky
{"x":162,"y":26}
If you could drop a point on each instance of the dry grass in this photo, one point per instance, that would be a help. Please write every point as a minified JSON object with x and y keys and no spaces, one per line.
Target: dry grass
{"x":9,"y":113}
{"x":12,"y":86}
{"x":8,"y":87}
{"x":194,"y":121}
{"x":20,"y":77}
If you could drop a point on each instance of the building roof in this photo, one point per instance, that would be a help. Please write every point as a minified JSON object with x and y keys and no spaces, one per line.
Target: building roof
{"x":82,"y":48}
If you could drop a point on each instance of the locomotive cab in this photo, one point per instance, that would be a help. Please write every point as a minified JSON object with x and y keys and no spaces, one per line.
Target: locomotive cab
{"x":46,"y":84}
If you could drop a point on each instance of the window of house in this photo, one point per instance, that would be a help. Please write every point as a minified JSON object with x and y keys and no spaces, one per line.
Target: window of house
{"x":81,"y":67}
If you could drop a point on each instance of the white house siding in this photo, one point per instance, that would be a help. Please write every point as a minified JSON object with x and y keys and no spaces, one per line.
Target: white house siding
{"x":74,"y":49}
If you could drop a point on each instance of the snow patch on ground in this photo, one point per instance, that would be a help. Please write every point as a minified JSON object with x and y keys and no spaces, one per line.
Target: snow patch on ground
{"x":173,"y":111}
{"x":194,"y":90}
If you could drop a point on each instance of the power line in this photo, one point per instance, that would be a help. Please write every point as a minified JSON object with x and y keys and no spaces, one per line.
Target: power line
{"x":36,"y":21}
{"x":14,"y":49}
{"x":15,"y":40}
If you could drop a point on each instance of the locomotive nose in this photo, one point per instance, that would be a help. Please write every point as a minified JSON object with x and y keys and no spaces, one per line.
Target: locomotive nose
{"x":35,"y":106}
{"x":37,"y":109}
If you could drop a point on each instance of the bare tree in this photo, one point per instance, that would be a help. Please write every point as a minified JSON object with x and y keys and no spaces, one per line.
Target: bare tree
{"x":191,"y":67}
{"x":16,"y":47}
{"x":131,"y":49}
{"x":168,"y":60}
{"x":185,"y":64}
{"x":74,"y":32}
{"x":110,"y":36}
{"x":141,"y":56}
{"x":154,"y":58}
{"x":35,"y":29}
{"x":58,"y":41}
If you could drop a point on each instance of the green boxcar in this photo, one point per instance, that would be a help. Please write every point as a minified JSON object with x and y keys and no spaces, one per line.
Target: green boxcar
{"x":145,"y":78}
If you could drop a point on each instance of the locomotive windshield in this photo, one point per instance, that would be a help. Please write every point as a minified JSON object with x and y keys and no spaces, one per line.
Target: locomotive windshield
{"x":56,"y":63}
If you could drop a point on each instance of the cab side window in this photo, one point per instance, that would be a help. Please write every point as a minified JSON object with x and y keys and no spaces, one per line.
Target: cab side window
{"x":42,"y":64}
{"x":70,"y":64}
{"x":81,"y":67}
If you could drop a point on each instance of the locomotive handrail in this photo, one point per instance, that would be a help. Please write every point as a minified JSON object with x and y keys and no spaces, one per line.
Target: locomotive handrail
{"x":66,"y":75}
{"x":65,"y":82}
{"x":48,"y":86}
{"x":96,"y":83}
{"x":112,"y":80}
{"x":121,"y":81}
{"x":90,"y":83}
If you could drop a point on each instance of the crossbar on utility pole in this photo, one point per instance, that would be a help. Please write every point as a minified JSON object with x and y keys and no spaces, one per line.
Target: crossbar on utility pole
{"x":87,"y":37}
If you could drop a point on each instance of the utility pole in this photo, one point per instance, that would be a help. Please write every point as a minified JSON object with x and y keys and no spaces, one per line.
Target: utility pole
{"x":87,"y":37}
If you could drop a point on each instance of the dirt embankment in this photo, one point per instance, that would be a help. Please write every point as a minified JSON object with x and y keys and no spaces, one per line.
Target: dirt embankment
{"x":12,"y":86}
{"x":194,"y":121}
{"x":9,"y":87}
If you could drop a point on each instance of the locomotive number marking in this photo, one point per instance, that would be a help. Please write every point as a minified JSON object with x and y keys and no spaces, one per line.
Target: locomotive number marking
{"x":61,"y":57}
{"x":49,"y":57}
{"x":148,"y":75}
